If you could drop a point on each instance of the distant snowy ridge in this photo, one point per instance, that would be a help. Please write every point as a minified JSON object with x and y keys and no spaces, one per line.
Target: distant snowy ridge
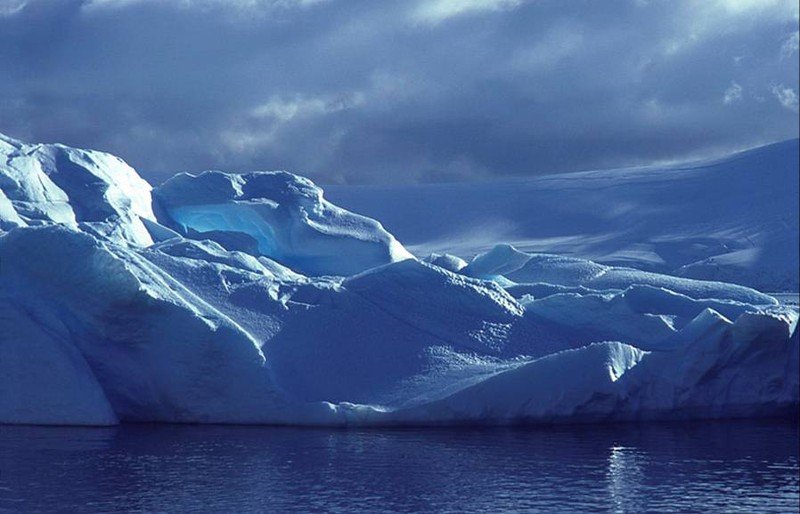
{"x":249,"y":298}
{"x":733,"y":219}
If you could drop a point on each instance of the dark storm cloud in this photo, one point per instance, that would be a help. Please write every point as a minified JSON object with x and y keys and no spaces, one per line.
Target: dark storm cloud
{"x":399,"y":91}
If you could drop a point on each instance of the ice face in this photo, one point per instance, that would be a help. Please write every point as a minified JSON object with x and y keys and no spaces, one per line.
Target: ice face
{"x":45,"y":379}
{"x":285,"y":216}
{"x":218,"y":312}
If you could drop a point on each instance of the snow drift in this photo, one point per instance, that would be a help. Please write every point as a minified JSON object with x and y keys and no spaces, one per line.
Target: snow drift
{"x":224,"y":298}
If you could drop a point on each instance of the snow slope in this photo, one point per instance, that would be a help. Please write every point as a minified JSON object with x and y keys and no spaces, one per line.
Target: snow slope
{"x":250,"y":299}
{"x":733,"y":219}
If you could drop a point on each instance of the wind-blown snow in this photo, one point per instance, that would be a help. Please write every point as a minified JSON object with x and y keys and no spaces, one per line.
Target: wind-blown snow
{"x":733,"y":219}
{"x":251,"y":299}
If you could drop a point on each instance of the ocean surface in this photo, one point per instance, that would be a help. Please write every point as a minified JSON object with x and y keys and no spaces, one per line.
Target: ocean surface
{"x":683,"y":467}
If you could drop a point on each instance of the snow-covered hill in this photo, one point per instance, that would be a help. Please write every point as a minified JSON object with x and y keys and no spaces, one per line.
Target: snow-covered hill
{"x":733,"y":219}
{"x":250,"y":298}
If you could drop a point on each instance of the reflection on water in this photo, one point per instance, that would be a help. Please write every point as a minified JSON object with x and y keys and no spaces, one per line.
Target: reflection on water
{"x":731,"y":466}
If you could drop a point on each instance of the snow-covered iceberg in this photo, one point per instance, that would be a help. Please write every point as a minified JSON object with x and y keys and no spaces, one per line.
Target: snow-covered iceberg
{"x":224,"y":298}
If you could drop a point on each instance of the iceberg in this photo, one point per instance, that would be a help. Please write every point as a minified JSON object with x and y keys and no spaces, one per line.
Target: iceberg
{"x":250,"y":299}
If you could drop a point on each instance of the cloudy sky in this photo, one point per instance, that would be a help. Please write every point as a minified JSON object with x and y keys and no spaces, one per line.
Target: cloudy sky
{"x":385,"y":91}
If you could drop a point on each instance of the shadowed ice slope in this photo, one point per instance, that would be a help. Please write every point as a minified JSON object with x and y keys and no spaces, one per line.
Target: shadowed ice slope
{"x":734,"y":219}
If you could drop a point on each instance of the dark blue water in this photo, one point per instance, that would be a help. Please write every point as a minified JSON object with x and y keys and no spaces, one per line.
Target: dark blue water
{"x":731,"y":466}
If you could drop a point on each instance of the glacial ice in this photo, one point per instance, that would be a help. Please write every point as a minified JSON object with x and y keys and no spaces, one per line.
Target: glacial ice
{"x":283,"y":216}
{"x":249,"y":298}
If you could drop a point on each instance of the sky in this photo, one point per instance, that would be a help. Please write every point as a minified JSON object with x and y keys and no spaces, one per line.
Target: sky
{"x":406,"y":91}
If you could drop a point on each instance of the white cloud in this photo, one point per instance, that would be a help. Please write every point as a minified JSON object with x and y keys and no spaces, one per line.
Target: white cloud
{"x":9,"y":8}
{"x":363,"y":91}
{"x":791,"y":45}
{"x":283,"y":110}
{"x":732,"y":94}
{"x":787,"y":97}
{"x":269,"y":118}
{"x":237,"y":5}
{"x":554,"y":46}
{"x":435,"y":11}
{"x":706,"y":19}
{"x":775,"y":9}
